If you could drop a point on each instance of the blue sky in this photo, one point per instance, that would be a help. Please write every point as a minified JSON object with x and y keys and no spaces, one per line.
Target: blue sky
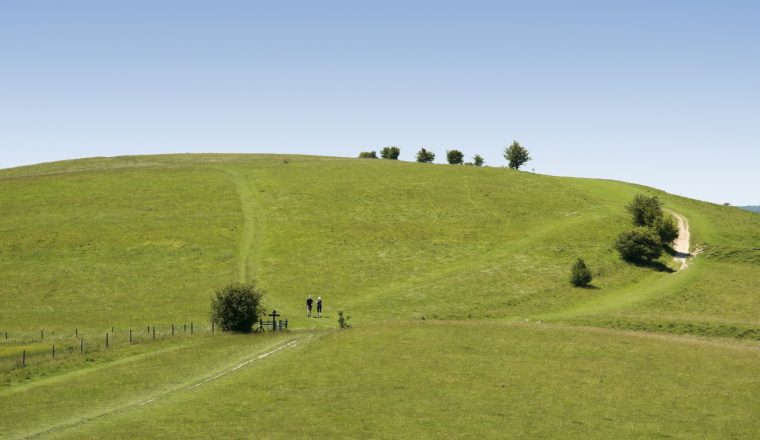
{"x":661,"y":93}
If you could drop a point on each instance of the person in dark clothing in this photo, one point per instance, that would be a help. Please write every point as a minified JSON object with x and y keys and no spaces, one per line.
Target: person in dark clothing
{"x":309,"y":302}
{"x":319,"y":307}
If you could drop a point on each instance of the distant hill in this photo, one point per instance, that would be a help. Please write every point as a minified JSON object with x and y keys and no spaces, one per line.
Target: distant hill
{"x":754,"y":208}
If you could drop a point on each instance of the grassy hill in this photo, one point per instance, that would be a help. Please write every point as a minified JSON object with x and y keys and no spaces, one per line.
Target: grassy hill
{"x":446,"y":272}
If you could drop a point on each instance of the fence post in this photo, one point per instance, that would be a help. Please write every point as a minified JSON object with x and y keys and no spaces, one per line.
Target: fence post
{"x":53,"y":351}
{"x":154,"y":332}
{"x":81,"y":346}
{"x":130,"y":336}
{"x":185,"y":328}
{"x":42,"y":335}
{"x":191,"y":327}
{"x":111,"y":330}
{"x":106,"y":339}
{"x":76,"y":333}
{"x":23,"y":358}
{"x":212,"y":327}
{"x":6,"y":335}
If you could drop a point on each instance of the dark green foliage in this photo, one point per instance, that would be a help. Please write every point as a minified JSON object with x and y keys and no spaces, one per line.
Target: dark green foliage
{"x":390,"y":152}
{"x":237,"y":306}
{"x":580,"y":275}
{"x":368,"y":155}
{"x":455,"y":157}
{"x":639,"y":244}
{"x":425,"y":156}
{"x":478,"y":160}
{"x":343,"y":320}
{"x":667,"y":229}
{"x":516,"y":155}
{"x":646,"y":211}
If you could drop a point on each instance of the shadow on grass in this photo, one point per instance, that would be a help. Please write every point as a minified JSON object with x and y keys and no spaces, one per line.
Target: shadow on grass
{"x":656,"y":265}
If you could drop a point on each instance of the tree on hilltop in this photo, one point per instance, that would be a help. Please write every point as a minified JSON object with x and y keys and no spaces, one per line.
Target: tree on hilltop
{"x":425,"y":156}
{"x":478,"y":161}
{"x":454,"y":157}
{"x":516,"y":155}
{"x":390,"y":152}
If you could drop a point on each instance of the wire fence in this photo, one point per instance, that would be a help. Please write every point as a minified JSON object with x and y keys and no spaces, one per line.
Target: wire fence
{"x":26,"y":349}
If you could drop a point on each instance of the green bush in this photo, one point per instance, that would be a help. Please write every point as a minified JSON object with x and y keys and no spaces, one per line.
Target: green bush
{"x":455,"y":157}
{"x":667,"y":229}
{"x":478,"y":160}
{"x":580,"y":275}
{"x":516,"y":155}
{"x":639,"y":244}
{"x":646,"y":211}
{"x":237,"y":306}
{"x":425,"y":156}
{"x":368,"y":155}
{"x":390,"y":153}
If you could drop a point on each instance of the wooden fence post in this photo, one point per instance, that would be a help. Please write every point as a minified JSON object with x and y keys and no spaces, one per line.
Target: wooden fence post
{"x":81,"y":346}
{"x":172,"y":329}
{"x":154,"y":332}
{"x":185,"y":328}
{"x":191,"y":327}
{"x":76,"y":333}
{"x":23,"y":358}
{"x":130,"y":336}
{"x":42,"y":335}
{"x":212,"y":327}
{"x":53,"y":351}
{"x":106,"y":339}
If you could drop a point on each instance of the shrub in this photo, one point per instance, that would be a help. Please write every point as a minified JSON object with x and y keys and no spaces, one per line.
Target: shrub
{"x":390,"y":153}
{"x":455,"y":157}
{"x":516,"y":155}
{"x":580,"y":275}
{"x":237,"y":306}
{"x":638,"y":244}
{"x":646,"y":211}
{"x":343,"y":320}
{"x":667,"y":229}
{"x":425,"y":156}
{"x":478,"y":161}
{"x":368,"y":155}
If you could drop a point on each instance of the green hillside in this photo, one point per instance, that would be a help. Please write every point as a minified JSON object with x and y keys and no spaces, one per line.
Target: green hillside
{"x":456,"y":279}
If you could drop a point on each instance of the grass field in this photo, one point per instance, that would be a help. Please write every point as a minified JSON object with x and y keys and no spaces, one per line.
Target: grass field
{"x":439,"y":266}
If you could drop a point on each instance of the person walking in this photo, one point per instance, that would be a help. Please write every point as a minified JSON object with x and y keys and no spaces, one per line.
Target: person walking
{"x":319,"y":307}
{"x":309,"y":302}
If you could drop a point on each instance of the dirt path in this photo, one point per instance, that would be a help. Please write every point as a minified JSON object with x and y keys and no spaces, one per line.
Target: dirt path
{"x":187,"y":387}
{"x":681,"y":245}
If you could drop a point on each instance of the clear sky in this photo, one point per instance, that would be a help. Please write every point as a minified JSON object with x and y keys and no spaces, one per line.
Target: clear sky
{"x":663,"y":93}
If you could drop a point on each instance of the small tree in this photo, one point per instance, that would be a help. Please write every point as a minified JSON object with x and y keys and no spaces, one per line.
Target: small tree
{"x":425,"y":156}
{"x":638,"y":244}
{"x":368,"y":155}
{"x":390,"y":152}
{"x":478,"y":161}
{"x":516,"y":155}
{"x":455,"y":157}
{"x":646,"y":211}
{"x":580,"y":275}
{"x":667,"y":229}
{"x":343,"y":320}
{"x":237,"y":306}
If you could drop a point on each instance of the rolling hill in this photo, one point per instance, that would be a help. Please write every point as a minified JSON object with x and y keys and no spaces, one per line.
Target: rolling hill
{"x":456,"y":279}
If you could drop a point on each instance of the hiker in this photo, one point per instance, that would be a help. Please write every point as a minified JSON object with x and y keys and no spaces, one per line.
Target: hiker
{"x":319,"y":307}
{"x":309,"y":302}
